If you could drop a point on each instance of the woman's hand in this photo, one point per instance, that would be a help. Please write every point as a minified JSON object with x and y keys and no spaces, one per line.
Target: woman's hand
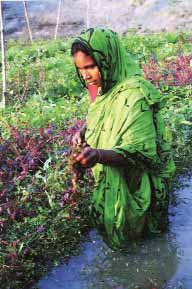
{"x":88,"y":157}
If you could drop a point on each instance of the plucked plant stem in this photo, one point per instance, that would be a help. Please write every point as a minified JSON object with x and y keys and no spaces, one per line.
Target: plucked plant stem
{"x":27,"y":20}
{"x":58,"y":19}
{"x":87,"y":13}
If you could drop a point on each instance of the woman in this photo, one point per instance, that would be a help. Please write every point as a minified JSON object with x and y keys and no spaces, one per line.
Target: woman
{"x":128,"y":151}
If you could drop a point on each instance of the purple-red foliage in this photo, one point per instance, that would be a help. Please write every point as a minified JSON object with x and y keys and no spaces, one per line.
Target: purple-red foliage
{"x":177,"y":72}
{"x":22,"y":194}
{"x":20,"y":157}
{"x":71,"y":130}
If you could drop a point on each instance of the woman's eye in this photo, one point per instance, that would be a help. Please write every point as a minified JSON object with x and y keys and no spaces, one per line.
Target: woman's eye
{"x":88,"y":67}
{"x":92,"y":66}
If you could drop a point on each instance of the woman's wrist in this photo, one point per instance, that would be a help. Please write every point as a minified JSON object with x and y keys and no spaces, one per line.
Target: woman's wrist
{"x":99,"y":155}
{"x":110,"y":158}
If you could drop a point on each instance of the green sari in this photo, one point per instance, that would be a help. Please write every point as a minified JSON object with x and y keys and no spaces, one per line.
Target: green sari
{"x":126,"y":201}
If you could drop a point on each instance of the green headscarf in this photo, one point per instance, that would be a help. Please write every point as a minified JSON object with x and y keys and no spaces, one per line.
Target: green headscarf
{"x":103,"y":45}
{"x":125,"y":118}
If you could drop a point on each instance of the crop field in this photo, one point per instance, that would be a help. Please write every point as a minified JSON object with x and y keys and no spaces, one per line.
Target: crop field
{"x":42,"y":217}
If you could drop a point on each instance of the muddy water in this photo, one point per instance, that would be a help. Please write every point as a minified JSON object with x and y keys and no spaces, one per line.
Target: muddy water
{"x":163,"y":262}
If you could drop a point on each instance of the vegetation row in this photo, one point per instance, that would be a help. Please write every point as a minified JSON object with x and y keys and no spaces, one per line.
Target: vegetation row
{"x":43,"y":208}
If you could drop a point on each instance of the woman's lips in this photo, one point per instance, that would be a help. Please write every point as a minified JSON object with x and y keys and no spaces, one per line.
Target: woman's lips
{"x":92,"y":83}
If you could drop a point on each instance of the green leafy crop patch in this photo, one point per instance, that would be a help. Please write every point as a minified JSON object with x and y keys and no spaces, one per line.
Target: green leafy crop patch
{"x":41,"y":221}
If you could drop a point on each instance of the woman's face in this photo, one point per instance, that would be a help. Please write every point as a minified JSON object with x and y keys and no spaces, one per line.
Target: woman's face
{"x":88,"y":69}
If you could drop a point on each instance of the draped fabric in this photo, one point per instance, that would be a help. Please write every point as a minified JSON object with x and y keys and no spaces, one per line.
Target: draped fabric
{"x":126,"y":201}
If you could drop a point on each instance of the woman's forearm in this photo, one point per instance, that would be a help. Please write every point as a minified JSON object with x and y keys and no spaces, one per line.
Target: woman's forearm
{"x":90,"y":157}
{"x":110,"y":158}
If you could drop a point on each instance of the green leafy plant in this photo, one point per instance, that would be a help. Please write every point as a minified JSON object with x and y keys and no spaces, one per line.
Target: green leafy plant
{"x":41,"y":221}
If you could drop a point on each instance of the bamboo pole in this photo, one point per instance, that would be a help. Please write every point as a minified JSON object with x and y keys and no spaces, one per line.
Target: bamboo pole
{"x":58,"y":19}
{"x":3,"y":53}
{"x":87,"y":13}
{"x":27,"y":20}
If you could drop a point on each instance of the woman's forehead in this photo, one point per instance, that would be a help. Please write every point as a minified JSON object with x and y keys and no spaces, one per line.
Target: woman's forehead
{"x":81,"y":59}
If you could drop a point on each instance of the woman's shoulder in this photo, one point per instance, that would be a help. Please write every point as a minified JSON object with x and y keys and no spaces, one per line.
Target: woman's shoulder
{"x":137,"y":82}
{"x":138,"y":88}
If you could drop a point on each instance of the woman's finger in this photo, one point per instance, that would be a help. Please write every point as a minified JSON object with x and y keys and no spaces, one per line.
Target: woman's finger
{"x":90,"y":159}
{"x":79,"y":157}
{"x":83,"y":154}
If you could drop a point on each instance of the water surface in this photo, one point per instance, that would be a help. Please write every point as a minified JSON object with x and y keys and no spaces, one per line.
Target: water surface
{"x":163,"y":262}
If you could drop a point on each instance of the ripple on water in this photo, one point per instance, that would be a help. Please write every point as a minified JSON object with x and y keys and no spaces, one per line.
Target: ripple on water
{"x":163,"y":262}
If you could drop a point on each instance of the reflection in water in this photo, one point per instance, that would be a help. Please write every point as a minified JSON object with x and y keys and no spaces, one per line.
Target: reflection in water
{"x":181,"y":236}
{"x":163,"y":262}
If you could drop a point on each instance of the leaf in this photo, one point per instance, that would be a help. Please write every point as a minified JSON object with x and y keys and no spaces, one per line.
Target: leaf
{"x":39,"y":176}
{"x":47,"y":164}
{"x":186,"y":122}
{"x":20,"y":248}
{"x":51,"y":203}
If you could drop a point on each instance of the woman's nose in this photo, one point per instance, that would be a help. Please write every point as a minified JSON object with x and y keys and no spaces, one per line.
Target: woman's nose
{"x":85,"y":75}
